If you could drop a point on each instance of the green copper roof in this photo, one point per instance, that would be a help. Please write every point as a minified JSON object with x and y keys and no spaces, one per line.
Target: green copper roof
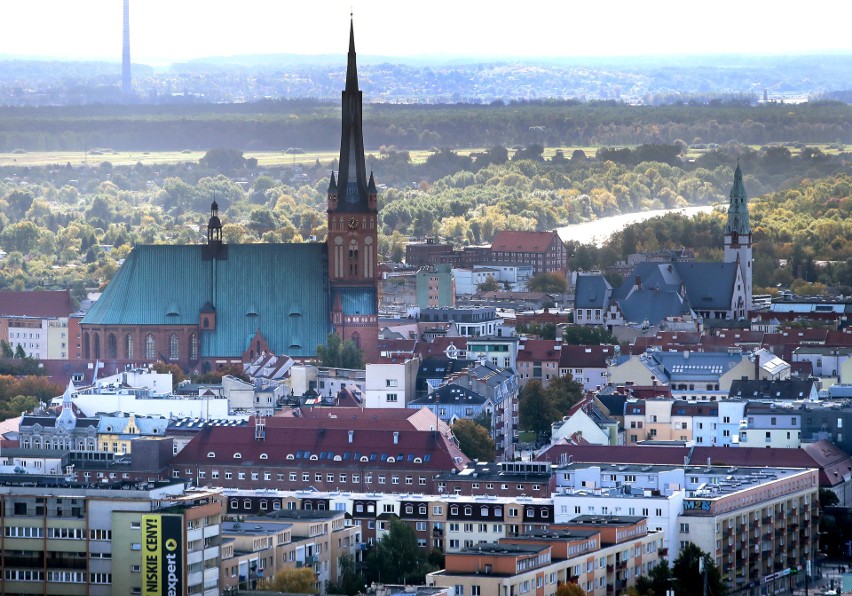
{"x":281,"y":289}
{"x":738,"y":208}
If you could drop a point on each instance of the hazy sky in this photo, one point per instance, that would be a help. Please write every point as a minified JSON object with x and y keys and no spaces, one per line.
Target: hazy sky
{"x":164,"y":31}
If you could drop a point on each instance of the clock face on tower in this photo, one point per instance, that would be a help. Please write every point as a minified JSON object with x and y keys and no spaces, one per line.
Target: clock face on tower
{"x":352,"y":223}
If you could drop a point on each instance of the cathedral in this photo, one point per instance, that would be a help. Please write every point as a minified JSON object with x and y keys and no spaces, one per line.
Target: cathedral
{"x":206,"y":307}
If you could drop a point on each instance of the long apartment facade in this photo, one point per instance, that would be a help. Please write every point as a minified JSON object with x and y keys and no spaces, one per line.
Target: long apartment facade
{"x":602,"y":555}
{"x":754,"y":521}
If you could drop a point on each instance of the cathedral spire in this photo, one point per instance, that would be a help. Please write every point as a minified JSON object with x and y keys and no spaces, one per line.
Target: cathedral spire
{"x":352,"y":175}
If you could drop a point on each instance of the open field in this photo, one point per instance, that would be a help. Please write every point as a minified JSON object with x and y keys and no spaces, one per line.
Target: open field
{"x":264,"y":158}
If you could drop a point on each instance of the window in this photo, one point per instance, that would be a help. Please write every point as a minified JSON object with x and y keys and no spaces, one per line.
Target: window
{"x":391,"y":397}
{"x":391,"y":382}
{"x":174,"y":351}
{"x":150,"y":347}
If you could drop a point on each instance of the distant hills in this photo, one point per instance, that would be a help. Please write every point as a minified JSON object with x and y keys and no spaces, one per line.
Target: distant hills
{"x":437,"y":79}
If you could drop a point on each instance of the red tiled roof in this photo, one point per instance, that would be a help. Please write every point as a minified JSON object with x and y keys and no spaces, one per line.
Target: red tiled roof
{"x":585,"y":356}
{"x":538,"y":349}
{"x":838,"y":339}
{"x":46,"y":304}
{"x":286,"y":436}
{"x":439,"y":345}
{"x":518,"y":241}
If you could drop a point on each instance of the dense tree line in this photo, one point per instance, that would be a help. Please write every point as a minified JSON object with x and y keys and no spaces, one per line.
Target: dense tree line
{"x":67,"y":227}
{"x":801,"y":237}
{"x":276,"y":125}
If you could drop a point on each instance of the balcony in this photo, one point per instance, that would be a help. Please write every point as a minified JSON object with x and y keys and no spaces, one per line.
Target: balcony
{"x":610,"y":588}
{"x":610,"y":568}
{"x":621,"y":564}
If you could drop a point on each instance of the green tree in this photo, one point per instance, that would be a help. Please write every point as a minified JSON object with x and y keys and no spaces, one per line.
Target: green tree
{"x":827,"y":498}
{"x":536,"y":411}
{"x":474,"y":440}
{"x":397,"y":558}
{"x":688,"y":580}
{"x":292,"y":581}
{"x":489,"y":285}
{"x":548,"y":282}
{"x":339,"y":354}
{"x":19,"y":352}
{"x":6,"y":349}
{"x":348,"y":580}
{"x":587,"y":335}
{"x":223,"y":160}
{"x":657,"y":582}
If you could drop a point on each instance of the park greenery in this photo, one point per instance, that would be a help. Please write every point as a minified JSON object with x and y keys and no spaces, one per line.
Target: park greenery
{"x":397,"y":559}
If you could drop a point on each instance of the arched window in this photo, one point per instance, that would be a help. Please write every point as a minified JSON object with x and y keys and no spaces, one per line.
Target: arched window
{"x":356,"y":339}
{"x":112,"y":346}
{"x":86,"y":353}
{"x":174,"y":348}
{"x":206,"y":323}
{"x":150,"y":347}
{"x":353,"y":257}
{"x":193,"y":347}
{"x":128,"y":346}
{"x":97,"y":354}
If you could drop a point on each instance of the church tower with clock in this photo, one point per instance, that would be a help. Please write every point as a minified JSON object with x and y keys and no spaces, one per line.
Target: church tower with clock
{"x":352,"y":228}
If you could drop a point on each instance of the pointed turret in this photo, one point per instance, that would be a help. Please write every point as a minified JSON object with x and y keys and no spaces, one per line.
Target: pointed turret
{"x":67,"y":419}
{"x":332,"y":194}
{"x":738,"y":220}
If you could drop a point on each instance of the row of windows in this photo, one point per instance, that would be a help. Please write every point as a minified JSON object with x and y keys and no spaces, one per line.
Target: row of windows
{"x":345,"y":456}
{"x":150,"y":346}
{"x":306,"y":477}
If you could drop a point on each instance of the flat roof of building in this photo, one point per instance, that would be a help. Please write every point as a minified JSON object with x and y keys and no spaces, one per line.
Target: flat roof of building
{"x":606,"y":520}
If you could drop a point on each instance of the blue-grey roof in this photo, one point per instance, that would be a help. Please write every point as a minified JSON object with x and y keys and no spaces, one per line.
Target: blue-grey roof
{"x":708,"y":285}
{"x":450,"y":394}
{"x":146,"y":426}
{"x":281,"y":289}
{"x":592,"y":291}
{"x":693,"y":366}
{"x":653,"y":306}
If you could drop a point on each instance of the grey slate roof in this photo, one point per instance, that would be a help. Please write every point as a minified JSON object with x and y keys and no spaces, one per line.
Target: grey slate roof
{"x":653,"y":306}
{"x":592,"y":291}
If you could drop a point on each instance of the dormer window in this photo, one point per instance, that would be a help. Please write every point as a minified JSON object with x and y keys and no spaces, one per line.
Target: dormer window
{"x":264,"y":456}
{"x":211,"y":454}
{"x":238,"y":455}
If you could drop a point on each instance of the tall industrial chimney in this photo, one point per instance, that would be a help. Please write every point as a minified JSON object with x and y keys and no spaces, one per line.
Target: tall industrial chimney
{"x":126,"y":80}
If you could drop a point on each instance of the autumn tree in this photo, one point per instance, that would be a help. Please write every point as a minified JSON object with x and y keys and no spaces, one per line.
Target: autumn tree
{"x":489,"y":285}
{"x":177,"y":373}
{"x":570,"y":589}
{"x":291,"y":581}
{"x":549,"y":282}
{"x":474,"y":440}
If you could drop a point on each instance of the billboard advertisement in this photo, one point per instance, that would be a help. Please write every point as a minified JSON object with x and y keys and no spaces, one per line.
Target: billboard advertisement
{"x":162,"y":555}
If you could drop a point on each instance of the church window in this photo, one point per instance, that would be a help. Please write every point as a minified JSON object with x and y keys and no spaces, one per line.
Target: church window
{"x":206,"y":323}
{"x":353,"y":257}
{"x":193,"y":347}
{"x":86,"y":354}
{"x":112,"y":347}
{"x":128,"y":346}
{"x":150,"y":347}
{"x":174,"y":347}
{"x":97,"y":354}
{"x":356,"y":339}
